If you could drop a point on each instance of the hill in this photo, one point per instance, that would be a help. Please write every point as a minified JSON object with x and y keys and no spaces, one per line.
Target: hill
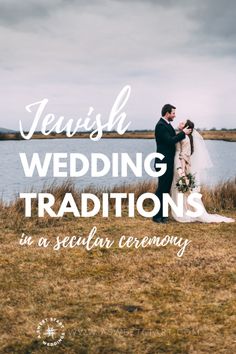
{"x":6,"y":131}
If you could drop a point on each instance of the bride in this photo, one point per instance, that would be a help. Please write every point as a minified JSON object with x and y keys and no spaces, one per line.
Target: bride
{"x":192,"y":157}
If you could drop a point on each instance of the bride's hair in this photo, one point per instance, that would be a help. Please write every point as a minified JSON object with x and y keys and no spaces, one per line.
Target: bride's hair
{"x":191,"y":126}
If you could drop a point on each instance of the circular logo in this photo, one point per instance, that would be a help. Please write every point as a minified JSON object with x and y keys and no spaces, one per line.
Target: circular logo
{"x":51,"y":331}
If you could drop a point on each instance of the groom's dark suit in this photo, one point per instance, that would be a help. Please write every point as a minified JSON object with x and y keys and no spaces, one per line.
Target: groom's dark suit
{"x":166,"y":139}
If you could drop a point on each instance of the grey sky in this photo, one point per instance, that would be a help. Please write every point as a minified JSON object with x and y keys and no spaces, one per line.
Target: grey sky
{"x":81,"y":53}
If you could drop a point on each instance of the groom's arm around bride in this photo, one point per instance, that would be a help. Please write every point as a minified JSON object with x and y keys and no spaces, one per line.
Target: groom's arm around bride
{"x":166,"y":138}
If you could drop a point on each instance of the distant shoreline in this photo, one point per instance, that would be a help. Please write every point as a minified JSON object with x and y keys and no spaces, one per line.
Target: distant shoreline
{"x":225,"y":135}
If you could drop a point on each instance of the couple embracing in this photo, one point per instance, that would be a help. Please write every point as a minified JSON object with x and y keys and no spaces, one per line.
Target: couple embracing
{"x":184,"y":153}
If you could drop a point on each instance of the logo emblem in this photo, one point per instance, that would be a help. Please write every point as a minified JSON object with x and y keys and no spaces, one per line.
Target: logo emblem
{"x":51,"y":331}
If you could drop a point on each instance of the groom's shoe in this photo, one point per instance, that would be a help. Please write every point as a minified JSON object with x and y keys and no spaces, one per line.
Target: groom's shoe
{"x":165,"y":220}
{"x":158,"y":220}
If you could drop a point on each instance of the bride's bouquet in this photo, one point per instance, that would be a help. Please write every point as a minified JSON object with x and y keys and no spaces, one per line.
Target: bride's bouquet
{"x":186,"y":183}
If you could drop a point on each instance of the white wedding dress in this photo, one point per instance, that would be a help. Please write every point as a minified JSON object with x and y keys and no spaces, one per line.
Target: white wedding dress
{"x":195,"y":164}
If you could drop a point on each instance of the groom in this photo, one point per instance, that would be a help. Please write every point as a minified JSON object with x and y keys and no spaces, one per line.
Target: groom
{"x":166,"y":138}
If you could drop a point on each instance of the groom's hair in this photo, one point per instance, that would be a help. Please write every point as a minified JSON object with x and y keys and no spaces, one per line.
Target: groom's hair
{"x":167,"y":108}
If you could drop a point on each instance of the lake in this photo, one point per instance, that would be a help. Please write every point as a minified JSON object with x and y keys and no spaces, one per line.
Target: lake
{"x":13,"y":181}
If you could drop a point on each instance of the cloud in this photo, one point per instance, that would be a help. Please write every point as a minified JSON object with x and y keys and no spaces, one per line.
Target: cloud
{"x":216,"y":18}
{"x":80,"y":53}
{"x":15,"y":12}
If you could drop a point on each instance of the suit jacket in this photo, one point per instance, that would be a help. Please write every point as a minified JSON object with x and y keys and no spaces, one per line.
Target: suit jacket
{"x":166,"y":138}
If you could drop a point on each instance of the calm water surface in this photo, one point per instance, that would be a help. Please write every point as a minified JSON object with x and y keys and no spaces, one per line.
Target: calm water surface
{"x":13,"y":181}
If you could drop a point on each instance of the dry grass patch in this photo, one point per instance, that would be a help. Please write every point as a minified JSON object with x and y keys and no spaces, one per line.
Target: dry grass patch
{"x":119,"y":300}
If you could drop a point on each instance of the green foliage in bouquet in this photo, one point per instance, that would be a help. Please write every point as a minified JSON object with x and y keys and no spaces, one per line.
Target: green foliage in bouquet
{"x":186,"y":183}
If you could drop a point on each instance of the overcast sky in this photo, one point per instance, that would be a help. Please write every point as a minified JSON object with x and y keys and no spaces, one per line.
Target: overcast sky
{"x":80,"y":53}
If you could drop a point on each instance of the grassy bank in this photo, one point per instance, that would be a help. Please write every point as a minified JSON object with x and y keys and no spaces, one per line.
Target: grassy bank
{"x":225,"y":135}
{"x":115,"y":300}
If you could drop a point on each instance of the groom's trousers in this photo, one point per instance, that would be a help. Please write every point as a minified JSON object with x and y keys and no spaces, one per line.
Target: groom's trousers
{"x":164,"y":185}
